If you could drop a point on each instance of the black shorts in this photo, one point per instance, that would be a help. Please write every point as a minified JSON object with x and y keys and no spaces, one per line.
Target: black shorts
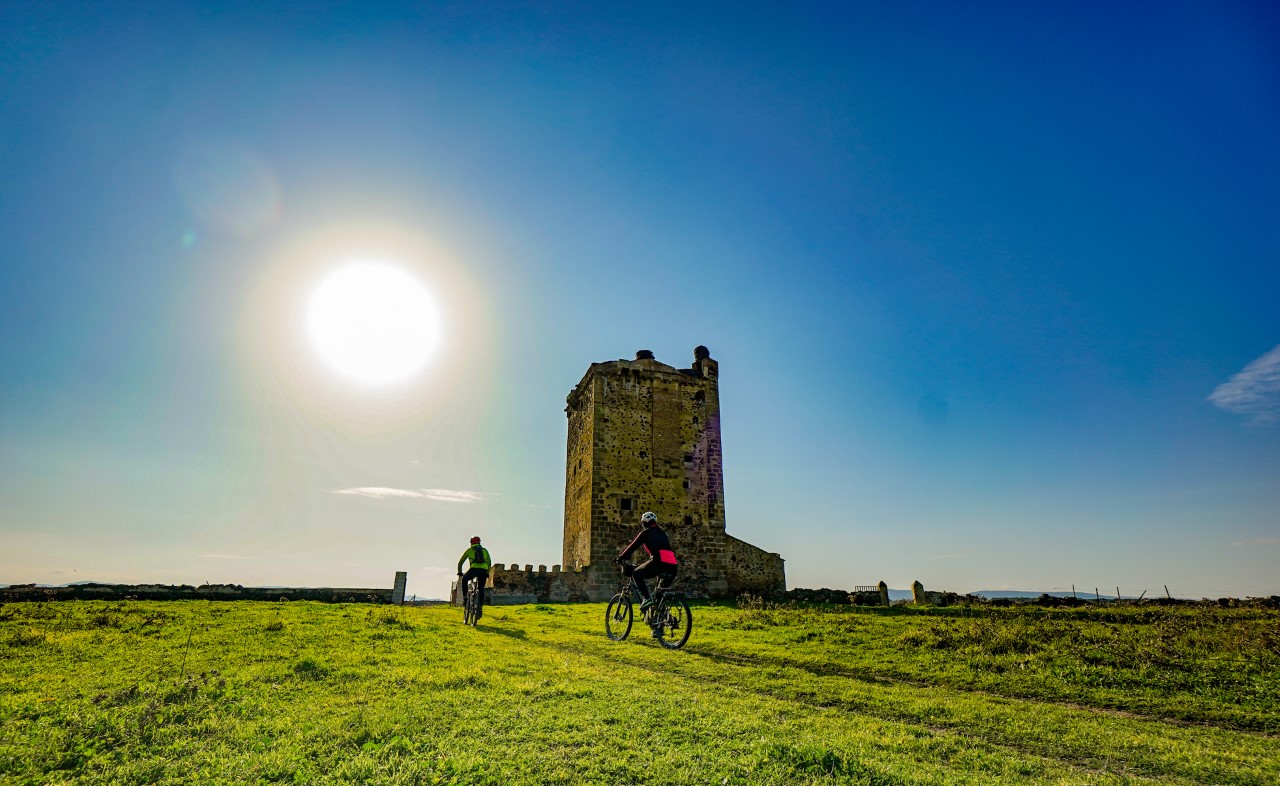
{"x":665,"y":572}
{"x":481,"y":575}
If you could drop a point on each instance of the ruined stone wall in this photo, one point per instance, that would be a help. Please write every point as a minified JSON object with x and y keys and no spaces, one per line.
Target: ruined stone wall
{"x":592,"y":583}
{"x":30,"y":592}
{"x":752,"y":569}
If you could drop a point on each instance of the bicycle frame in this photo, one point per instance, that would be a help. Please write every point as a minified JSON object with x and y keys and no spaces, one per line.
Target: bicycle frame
{"x":634,"y":590}
{"x":627,"y":586}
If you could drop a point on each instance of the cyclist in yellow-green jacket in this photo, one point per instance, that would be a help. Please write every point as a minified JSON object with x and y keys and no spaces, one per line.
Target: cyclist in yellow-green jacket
{"x":479,"y":570}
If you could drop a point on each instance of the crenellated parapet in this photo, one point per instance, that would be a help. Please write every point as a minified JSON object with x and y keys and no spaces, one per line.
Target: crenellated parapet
{"x":581,"y":584}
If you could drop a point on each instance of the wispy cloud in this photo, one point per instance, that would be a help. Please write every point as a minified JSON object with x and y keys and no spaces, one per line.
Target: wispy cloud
{"x":222,"y":556}
{"x":1254,"y":392}
{"x":439,"y":495}
{"x":1258,"y":542}
{"x":947,"y":556}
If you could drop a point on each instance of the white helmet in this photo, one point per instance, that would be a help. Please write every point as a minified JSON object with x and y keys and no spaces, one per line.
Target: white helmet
{"x":649,"y":518}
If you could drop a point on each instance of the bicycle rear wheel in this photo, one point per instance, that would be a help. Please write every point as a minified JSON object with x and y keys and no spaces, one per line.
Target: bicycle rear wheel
{"x":675,"y":622}
{"x":470,"y":608}
{"x":617,"y":618}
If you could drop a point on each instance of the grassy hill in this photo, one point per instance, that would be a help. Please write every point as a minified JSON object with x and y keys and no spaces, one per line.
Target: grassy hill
{"x":206,"y":692}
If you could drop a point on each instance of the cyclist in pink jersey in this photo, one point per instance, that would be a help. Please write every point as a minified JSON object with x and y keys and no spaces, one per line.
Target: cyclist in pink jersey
{"x":662,"y":558}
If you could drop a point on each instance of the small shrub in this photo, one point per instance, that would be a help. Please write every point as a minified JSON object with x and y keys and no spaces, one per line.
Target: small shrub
{"x":393,"y":619}
{"x":817,"y":761}
{"x":105,"y":619}
{"x":183,"y":692}
{"x":27,"y":638}
{"x":309,"y":668}
{"x":117,"y":698}
{"x":275,"y":625}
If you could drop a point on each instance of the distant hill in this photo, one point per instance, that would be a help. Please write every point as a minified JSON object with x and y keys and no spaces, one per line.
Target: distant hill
{"x":70,"y":584}
{"x":992,"y":594}
{"x":1016,"y":594}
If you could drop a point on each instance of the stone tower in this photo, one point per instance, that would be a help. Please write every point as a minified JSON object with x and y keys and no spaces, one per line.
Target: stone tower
{"x":646,"y":436}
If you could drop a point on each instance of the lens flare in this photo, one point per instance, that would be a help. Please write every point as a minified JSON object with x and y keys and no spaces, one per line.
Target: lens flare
{"x":228,"y":184}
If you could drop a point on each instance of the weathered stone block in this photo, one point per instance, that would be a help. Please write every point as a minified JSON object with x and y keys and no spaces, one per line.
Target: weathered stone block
{"x":511,"y":600}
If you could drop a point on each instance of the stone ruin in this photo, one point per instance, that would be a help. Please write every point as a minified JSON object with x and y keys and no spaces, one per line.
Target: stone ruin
{"x":117,"y":592}
{"x":643,"y":435}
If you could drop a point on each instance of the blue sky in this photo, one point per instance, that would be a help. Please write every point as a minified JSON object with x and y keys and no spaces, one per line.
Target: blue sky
{"x":993,"y":286}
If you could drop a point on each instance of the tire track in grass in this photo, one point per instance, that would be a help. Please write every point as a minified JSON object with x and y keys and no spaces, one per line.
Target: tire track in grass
{"x":1087,"y":767}
{"x":825,"y":670}
{"x":1098,"y":743}
{"x":886,"y":742}
{"x":864,"y":640}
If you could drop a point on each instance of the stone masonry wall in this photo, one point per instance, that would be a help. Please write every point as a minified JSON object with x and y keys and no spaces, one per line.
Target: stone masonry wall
{"x":753,"y":569}
{"x":577,"y":486}
{"x":592,"y":583}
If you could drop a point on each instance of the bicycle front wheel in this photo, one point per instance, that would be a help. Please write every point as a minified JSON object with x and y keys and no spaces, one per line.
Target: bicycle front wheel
{"x":617,"y":618}
{"x":675,"y":623}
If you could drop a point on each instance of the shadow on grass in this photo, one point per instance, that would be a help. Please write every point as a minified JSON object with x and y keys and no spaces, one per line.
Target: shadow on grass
{"x":816,"y":669}
{"x":508,"y":632}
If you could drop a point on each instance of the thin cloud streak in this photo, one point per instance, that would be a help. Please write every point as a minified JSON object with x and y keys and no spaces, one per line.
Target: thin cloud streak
{"x":1254,"y":392}
{"x":438,"y":495}
{"x":1258,"y":542}
{"x":222,"y":556}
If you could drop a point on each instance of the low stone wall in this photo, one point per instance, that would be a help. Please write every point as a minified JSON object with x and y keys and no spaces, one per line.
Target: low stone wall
{"x":589,"y":583}
{"x":752,"y":569}
{"x":30,"y":592}
{"x":755,"y":571}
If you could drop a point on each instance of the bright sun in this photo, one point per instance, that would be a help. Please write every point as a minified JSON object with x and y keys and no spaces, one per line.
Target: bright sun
{"x":373,"y":322}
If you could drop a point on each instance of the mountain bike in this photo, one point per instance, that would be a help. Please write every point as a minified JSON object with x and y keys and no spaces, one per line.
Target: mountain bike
{"x":472,"y":606}
{"x":668,"y":617}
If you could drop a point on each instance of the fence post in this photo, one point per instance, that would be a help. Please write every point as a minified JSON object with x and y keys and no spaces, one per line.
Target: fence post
{"x":397,"y":590}
{"x":917,"y":594}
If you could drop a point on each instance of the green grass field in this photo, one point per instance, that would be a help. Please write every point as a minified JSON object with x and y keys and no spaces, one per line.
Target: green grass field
{"x":206,"y":692}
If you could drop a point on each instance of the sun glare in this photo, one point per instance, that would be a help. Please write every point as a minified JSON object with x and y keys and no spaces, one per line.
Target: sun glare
{"x":373,"y":323}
